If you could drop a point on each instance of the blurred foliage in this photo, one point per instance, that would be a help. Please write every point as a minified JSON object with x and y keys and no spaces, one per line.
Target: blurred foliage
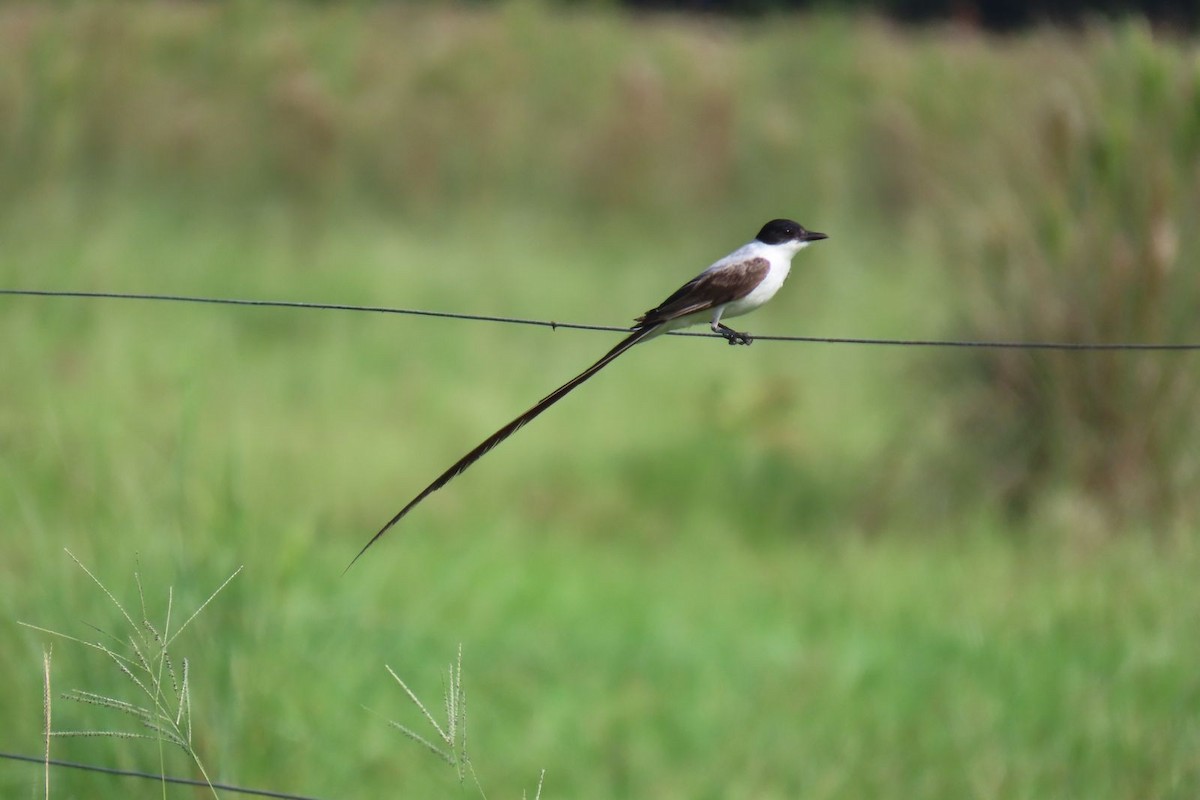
{"x":1052,"y":181}
{"x":665,"y":589}
{"x":1088,"y":234}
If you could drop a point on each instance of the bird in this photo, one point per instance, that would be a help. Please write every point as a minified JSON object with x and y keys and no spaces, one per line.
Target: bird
{"x":734,"y":285}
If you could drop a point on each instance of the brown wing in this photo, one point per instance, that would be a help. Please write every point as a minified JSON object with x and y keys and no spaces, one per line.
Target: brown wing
{"x":708,"y":290}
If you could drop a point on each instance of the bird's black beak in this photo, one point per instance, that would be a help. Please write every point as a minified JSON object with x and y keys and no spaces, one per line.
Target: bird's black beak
{"x":813,"y":236}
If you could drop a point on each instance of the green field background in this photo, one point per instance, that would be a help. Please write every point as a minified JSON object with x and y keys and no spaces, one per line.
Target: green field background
{"x":790,"y":570}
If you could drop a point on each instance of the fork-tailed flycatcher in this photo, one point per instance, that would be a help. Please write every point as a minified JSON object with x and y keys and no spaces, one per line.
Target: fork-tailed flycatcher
{"x":737,"y":284}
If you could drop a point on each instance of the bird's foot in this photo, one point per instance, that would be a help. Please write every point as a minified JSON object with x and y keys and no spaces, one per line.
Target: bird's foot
{"x":735,"y":337}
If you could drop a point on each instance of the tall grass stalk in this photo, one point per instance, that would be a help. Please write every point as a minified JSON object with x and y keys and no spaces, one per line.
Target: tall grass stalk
{"x":143,"y":657}
{"x":451,"y":736}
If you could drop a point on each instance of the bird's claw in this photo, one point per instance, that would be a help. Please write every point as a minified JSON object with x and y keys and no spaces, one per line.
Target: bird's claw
{"x":732,"y":336}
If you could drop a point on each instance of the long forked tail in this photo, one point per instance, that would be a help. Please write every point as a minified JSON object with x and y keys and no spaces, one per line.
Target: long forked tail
{"x":461,"y":466}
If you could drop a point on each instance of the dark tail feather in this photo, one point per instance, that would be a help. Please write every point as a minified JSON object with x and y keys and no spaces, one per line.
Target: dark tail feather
{"x":460,"y":466}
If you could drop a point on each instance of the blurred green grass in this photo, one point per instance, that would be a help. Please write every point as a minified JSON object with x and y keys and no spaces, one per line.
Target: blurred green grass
{"x":775,"y":572}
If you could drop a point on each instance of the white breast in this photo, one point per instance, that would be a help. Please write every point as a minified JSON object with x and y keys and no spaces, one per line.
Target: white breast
{"x":764,"y":291}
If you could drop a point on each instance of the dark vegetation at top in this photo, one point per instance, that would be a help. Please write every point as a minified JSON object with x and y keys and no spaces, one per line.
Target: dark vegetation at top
{"x":997,"y":15}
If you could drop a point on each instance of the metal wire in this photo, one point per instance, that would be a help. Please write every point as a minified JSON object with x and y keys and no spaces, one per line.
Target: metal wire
{"x":553,"y":325}
{"x":129,"y":773}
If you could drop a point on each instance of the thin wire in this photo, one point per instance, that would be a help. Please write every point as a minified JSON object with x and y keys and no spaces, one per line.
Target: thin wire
{"x":227,"y":301}
{"x":128,"y":773}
